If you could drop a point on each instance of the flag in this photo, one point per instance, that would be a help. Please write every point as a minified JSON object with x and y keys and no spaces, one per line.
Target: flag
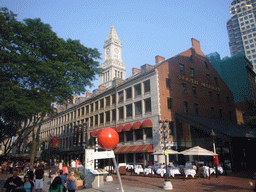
{"x":55,"y":142}
{"x":50,"y":140}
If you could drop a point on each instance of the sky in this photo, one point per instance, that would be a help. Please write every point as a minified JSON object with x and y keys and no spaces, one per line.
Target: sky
{"x":146,"y":28}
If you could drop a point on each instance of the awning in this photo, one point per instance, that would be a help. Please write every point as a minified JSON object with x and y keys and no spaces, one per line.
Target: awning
{"x":127,"y":127}
{"x":119,"y":128}
{"x":94,"y":133}
{"x":135,"y":149}
{"x":118,"y":150}
{"x":147,"y":123}
{"x":113,"y":128}
{"x":136,"y":125}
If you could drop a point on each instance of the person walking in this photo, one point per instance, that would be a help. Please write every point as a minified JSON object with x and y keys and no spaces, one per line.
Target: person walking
{"x":39,"y":173}
{"x":12,"y":182}
{"x":63,"y":180}
{"x":56,"y":185}
{"x":53,"y":172}
{"x":30,"y":172}
{"x":65,"y":169}
{"x":28,"y":184}
{"x":73,"y":165}
{"x":72,"y":182}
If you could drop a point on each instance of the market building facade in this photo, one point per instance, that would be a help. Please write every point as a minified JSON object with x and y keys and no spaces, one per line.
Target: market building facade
{"x":185,"y":90}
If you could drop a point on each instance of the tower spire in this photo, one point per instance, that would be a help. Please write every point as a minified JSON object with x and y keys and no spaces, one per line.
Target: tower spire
{"x":112,"y":34}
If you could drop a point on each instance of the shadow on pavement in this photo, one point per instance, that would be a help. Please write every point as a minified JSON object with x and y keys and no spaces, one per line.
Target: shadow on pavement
{"x":216,"y":187}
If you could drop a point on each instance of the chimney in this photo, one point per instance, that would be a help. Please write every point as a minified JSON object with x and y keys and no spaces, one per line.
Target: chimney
{"x":135,"y":71}
{"x":159,"y":59}
{"x":195,"y":44}
{"x":102,"y":87}
{"x":89,"y":94}
{"x":146,"y":67}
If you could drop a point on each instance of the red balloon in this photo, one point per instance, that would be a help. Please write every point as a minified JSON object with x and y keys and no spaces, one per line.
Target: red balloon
{"x":108,"y":138}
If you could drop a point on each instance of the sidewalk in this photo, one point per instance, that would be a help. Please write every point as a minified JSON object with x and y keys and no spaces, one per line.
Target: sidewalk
{"x":235,"y":182}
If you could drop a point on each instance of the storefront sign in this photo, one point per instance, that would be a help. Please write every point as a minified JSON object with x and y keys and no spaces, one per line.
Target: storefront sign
{"x":104,"y":155}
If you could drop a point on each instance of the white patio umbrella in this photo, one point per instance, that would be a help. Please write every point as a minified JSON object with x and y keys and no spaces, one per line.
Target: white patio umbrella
{"x":198,"y":151}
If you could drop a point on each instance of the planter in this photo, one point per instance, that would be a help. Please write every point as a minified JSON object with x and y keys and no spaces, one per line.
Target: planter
{"x":80,"y":184}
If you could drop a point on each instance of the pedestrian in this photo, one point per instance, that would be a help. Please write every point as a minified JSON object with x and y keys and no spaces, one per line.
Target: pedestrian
{"x":73,"y":165}
{"x":11,"y":167}
{"x":53,"y":172}
{"x":12,"y":182}
{"x":31,"y":174}
{"x":80,"y":168}
{"x":39,"y":173}
{"x":60,"y":165}
{"x":72,"y":182}
{"x":56,"y":185}
{"x":65,"y":169}
{"x":63,"y":180}
{"x":28,"y":184}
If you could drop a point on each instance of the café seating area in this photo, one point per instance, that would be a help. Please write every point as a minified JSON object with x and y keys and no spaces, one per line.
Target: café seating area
{"x":189,"y":170}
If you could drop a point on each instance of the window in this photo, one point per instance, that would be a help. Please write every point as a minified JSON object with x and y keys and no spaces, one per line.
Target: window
{"x":113,"y":99}
{"x":137,"y":89}
{"x":206,"y":65}
{"x":184,"y":88}
{"x":194,"y":91}
{"x":138,"y":108}
{"x":210,"y":96}
{"x":218,"y":96}
{"x":192,"y":72}
{"x":228,"y":100}
{"x":128,"y":93}
{"x":81,"y":112}
{"x":208,"y":78}
{"x":148,"y":133}
{"x":87,"y":109}
{"x":212,"y":112}
{"x":121,"y":137}
{"x":185,"y":106}
{"x":129,"y":136}
{"x":121,"y":112}
{"x":220,"y":113}
{"x":216,"y":81}
{"x":147,"y":105}
{"x":102,"y":103}
{"x":139,"y":134}
{"x":108,"y":101}
{"x":101,"y":118}
{"x":92,"y":107}
{"x":168,"y":83}
{"x":120,"y":96}
{"x":196,"y":108}
{"x":129,"y":110}
{"x":169,"y":103}
{"x":96,"y":105}
{"x":182,"y":69}
{"x":96,"y":119}
{"x":113,"y":115}
{"x":91,"y":121}
{"x":146,"y":86}
{"x":78,"y":112}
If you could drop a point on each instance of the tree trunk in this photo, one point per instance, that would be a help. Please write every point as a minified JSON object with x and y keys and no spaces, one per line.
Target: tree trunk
{"x":35,"y":141}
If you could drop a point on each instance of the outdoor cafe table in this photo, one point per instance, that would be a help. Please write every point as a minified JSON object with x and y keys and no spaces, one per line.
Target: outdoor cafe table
{"x":174,"y":171}
{"x":138,"y":170}
{"x":148,"y":171}
{"x":188,"y":172}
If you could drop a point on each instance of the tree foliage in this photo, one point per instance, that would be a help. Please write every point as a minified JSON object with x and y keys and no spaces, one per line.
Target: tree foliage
{"x":38,"y":68}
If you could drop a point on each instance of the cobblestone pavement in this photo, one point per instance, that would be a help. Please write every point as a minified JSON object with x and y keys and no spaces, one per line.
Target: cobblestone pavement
{"x":233,"y":182}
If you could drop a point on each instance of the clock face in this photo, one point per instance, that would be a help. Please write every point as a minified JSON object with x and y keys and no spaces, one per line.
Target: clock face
{"x":116,"y":50}
{"x":107,"y":51}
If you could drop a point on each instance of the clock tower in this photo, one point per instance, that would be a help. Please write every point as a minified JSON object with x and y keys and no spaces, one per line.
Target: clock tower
{"x":112,"y":66}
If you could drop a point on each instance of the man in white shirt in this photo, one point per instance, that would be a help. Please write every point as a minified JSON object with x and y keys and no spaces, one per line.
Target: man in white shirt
{"x":73,"y":165}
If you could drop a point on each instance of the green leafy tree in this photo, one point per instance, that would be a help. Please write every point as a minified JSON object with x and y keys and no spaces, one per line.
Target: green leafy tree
{"x":39,"y":68}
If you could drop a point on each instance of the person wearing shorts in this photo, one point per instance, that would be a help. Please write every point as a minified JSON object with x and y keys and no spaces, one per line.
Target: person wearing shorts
{"x":39,"y":184}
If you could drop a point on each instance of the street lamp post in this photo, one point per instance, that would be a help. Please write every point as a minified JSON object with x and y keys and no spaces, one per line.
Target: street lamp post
{"x":167,"y":183}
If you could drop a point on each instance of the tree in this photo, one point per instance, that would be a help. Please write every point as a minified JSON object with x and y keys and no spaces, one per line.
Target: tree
{"x":38,"y":69}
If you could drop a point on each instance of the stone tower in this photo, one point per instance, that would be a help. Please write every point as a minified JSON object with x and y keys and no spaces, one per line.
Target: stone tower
{"x":112,"y":66}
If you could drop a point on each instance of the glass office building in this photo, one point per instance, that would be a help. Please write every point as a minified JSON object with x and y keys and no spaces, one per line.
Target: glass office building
{"x":242,"y":30}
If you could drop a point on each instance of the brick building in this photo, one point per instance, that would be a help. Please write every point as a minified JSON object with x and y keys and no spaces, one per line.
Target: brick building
{"x":185,"y":90}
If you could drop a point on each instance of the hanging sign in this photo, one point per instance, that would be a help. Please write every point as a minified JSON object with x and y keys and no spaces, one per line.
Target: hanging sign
{"x":104,"y":155}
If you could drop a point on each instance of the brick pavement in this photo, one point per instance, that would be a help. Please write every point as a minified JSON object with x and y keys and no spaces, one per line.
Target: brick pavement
{"x":233,"y":182}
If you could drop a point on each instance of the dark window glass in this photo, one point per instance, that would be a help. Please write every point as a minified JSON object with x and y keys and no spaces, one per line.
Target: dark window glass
{"x":138,"y":108}
{"x":138,"y":134}
{"x":113,"y":99}
{"x":101,"y":118}
{"x":212,"y":112}
{"x":182,"y":69}
{"x":208,"y":78}
{"x":96,"y":105}
{"x":108,"y":101}
{"x":121,"y":136}
{"x":196,"y":108}
{"x":168,"y":83}
{"x":137,"y":89}
{"x":220,"y":113}
{"x":147,"y":105}
{"x":121,"y":112}
{"x":102,"y":103}
{"x":148,"y":133}
{"x":129,"y":136}
{"x":128,"y":93}
{"x":184,"y":88}
{"x":206,"y":65}
{"x":169,"y":103}
{"x":113,"y":115}
{"x":96,"y":119}
{"x":185,"y":106}
{"x":120,"y":96}
{"x":194,"y":91}
{"x":192,"y":72}
{"x":129,"y":110}
{"x":210,"y":96}
{"x":146,"y":86}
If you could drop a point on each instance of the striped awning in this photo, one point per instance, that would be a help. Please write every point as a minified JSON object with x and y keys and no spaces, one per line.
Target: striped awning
{"x":127,"y":127}
{"x":94,"y":133}
{"x":146,"y":123}
{"x":135,"y":149}
{"x":136,"y":125}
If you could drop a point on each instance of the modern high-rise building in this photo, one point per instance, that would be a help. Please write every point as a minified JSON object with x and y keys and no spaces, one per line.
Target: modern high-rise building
{"x":242,"y":30}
